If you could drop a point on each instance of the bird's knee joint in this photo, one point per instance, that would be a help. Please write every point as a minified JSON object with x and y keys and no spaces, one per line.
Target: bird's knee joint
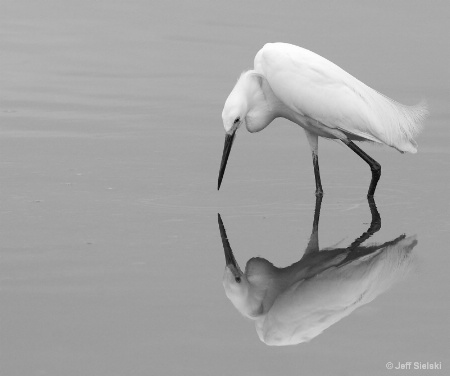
{"x":376,"y":169}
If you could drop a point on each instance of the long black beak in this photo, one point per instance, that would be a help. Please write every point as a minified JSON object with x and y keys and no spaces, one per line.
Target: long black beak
{"x":229,"y":257}
{"x":229,"y":138}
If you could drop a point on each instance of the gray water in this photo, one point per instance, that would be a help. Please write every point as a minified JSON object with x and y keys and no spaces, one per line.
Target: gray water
{"x":110,"y":144}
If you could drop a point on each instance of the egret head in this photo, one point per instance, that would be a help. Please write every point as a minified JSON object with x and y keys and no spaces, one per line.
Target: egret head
{"x":251,"y":103}
{"x":235,"y":109}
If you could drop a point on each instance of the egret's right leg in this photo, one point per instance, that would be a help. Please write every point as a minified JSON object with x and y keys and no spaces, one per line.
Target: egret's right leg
{"x":375,"y":167}
{"x":313,"y":140}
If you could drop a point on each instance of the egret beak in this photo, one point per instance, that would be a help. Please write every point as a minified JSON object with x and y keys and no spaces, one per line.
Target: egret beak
{"x":229,"y":257}
{"x":229,"y":138}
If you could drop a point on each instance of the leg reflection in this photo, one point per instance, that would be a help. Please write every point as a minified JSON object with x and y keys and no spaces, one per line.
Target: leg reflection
{"x":313,"y":244}
{"x":375,"y":224}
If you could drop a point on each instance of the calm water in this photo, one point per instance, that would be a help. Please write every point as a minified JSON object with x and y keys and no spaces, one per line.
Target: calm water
{"x":110,"y":143}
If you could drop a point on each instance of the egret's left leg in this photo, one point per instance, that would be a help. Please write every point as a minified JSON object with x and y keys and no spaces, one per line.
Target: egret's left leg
{"x":313,"y":244}
{"x":313,"y":140}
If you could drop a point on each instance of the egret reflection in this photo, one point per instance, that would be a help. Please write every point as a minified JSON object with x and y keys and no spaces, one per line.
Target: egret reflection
{"x":294,"y":304}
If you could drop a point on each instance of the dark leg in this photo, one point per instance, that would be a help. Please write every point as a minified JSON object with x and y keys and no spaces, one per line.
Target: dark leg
{"x":313,"y":244}
{"x":313,"y":140}
{"x":317,"y":214}
{"x":319,"y":190}
{"x":375,"y":224}
{"x":374,"y":166}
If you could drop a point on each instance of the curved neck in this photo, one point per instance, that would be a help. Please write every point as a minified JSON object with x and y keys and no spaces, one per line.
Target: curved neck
{"x":262,"y":104}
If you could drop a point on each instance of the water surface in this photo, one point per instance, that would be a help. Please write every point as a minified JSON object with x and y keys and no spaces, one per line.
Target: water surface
{"x":111,"y":138}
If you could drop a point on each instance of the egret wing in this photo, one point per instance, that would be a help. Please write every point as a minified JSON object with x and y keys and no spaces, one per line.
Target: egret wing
{"x":313,"y":87}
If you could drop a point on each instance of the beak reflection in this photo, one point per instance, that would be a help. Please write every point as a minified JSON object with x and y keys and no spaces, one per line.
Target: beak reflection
{"x":294,"y":304}
{"x":230,"y":260}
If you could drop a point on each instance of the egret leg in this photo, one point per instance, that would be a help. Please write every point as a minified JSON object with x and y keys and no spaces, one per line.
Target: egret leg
{"x":313,"y":244}
{"x":313,"y":140}
{"x":319,"y":190}
{"x":375,"y":167}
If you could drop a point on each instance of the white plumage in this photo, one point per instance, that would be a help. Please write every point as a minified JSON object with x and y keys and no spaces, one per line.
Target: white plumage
{"x":297,"y":84}
{"x":313,"y":86}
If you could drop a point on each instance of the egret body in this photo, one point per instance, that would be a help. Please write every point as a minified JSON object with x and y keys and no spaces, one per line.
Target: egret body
{"x":297,"y":84}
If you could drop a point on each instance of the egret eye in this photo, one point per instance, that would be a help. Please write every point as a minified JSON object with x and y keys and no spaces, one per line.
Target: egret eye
{"x":238,"y":279}
{"x":237,"y":120}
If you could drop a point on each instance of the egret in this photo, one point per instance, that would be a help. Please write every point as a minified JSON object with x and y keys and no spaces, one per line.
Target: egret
{"x":294,"y":304}
{"x":294,"y":83}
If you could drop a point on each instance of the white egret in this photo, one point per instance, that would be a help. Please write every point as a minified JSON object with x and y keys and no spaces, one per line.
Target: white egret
{"x":294,"y":304}
{"x":297,"y":84}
